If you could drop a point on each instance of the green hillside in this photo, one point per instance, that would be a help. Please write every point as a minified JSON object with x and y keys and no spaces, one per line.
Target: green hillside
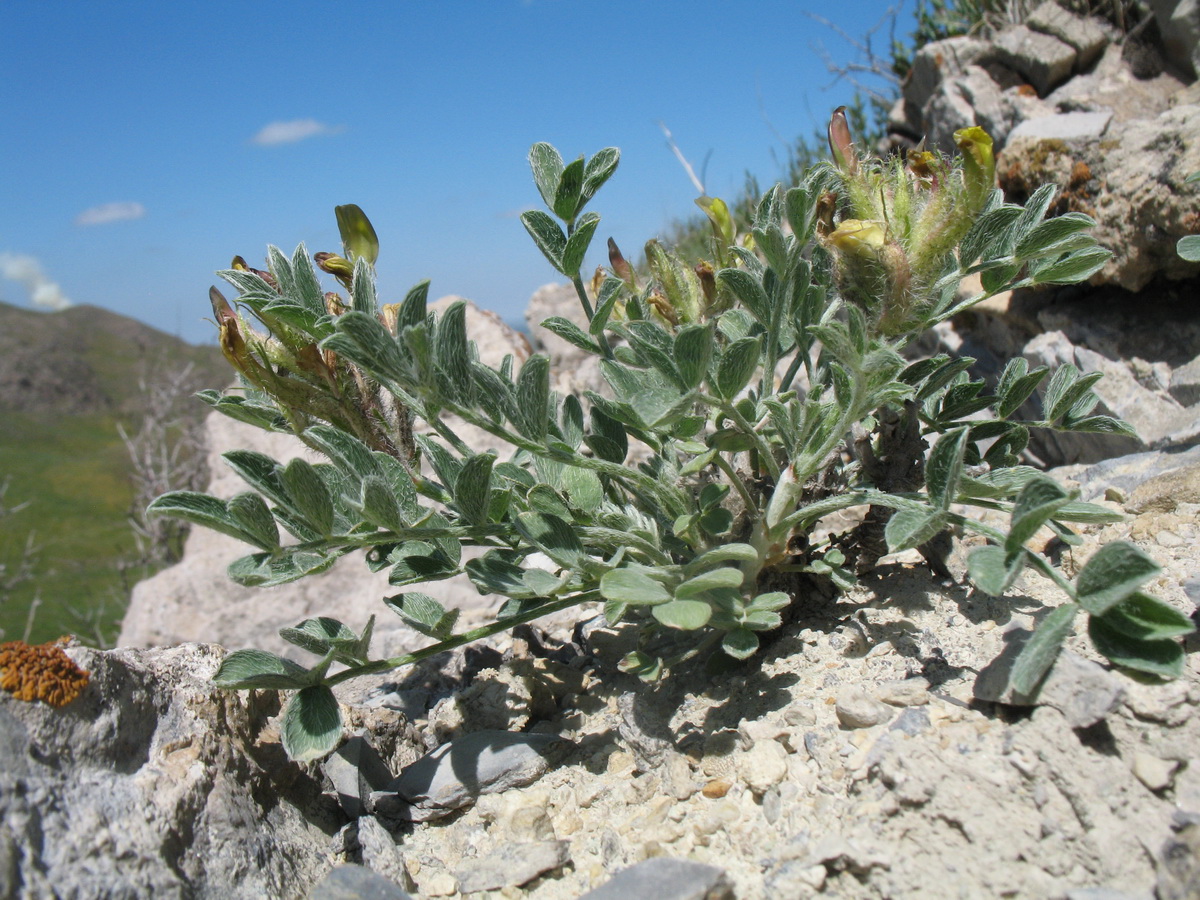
{"x":66,"y":380}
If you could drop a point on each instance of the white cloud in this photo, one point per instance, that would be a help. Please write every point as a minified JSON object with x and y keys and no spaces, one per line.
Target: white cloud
{"x":290,"y":132}
{"x":27,"y":271}
{"x":110,"y":212}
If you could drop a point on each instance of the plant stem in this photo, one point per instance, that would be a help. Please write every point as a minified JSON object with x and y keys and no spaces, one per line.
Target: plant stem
{"x":583,"y":298}
{"x":458,"y":640}
{"x":724,"y":465}
{"x":764,"y":449}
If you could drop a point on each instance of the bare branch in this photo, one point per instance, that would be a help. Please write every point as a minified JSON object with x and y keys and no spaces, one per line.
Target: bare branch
{"x":872,"y":63}
{"x":167,"y":453}
{"x":687,"y":166}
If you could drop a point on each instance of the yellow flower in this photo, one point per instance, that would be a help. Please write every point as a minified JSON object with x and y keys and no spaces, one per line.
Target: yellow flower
{"x":864,"y":238}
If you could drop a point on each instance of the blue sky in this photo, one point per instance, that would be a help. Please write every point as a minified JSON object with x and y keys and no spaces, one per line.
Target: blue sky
{"x":144,"y":144}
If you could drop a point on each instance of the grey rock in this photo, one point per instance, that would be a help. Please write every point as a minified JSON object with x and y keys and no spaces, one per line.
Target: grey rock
{"x":1071,"y":126}
{"x":153,"y":784}
{"x":1185,"y":383}
{"x":356,"y":769}
{"x":648,"y":749}
{"x":912,"y":721}
{"x":1179,"y":866}
{"x":1128,"y":473}
{"x":1102,"y":893}
{"x":1191,"y":588}
{"x":665,"y":878}
{"x":1179,"y":24}
{"x":858,"y":709}
{"x":379,"y":852}
{"x":909,"y":692}
{"x":1136,"y":189}
{"x":453,"y":775}
{"x":14,"y":745}
{"x":1081,"y":33}
{"x":1083,"y":691}
{"x":1043,"y":59}
{"x":513,"y":865}
{"x":973,"y":98}
{"x":937,"y":62}
{"x":354,"y":882}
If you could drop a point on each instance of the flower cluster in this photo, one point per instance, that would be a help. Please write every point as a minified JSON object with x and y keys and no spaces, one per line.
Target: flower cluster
{"x":901,"y":221}
{"x":310,"y":384}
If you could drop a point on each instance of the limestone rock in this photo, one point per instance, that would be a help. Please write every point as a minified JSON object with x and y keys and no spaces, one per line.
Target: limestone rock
{"x":513,"y":865}
{"x":1084,"y":35}
{"x":1179,"y":24}
{"x":354,"y":882}
{"x":666,"y":879}
{"x":938,"y":62}
{"x":1080,"y":689}
{"x":155,"y":783}
{"x":1042,"y":58}
{"x":458,"y":772}
{"x":1131,"y":179}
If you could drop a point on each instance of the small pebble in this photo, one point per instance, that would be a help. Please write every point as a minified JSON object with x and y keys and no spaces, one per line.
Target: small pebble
{"x":1156,"y":774}
{"x":912,"y":721}
{"x":665,"y":878}
{"x":1168,"y":539}
{"x":909,"y":692}
{"x":858,"y":709}
{"x":763,"y":766}
{"x":441,"y":884}
{"x":717,"y":788}
{"x":456,"y":773}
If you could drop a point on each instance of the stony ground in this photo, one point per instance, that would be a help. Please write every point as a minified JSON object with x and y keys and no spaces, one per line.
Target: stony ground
{"x":859,"y":756}
{"x":853,"y":759}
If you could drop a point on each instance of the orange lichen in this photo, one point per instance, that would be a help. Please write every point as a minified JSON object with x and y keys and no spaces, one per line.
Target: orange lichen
{"x":1051,"y":160}
{"x":40,"y":672}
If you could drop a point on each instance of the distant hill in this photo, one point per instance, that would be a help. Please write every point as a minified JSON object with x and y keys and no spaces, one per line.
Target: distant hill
{"x":67,"y":379}
{"x":85,"y":359}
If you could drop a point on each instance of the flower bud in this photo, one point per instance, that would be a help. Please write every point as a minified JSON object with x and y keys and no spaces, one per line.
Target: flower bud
{"x":620,"y":266}
{"x":229,"y":335}
{"x":708,"y":286}
{"x":979,"y":163}
{"x":926,"y":169}
{"x":389,"y":313}
{"x":335,"y":265}
{"x":719,"y":216}
{"x":826,"y":207}
{"x":840,"y":143}
{"x":239,"y":265}
{"x":358,"y":234}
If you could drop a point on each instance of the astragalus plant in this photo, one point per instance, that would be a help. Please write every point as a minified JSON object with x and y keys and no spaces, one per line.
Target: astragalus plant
{"x":749,"y":395}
